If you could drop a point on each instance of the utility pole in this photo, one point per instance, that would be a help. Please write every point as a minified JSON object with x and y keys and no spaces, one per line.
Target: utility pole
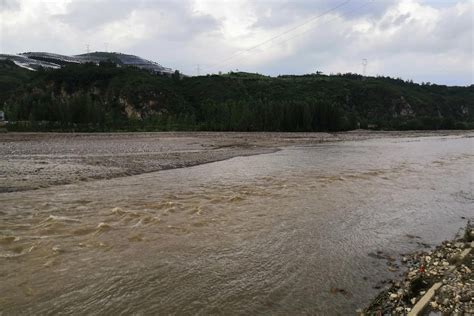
{"x":198,"y":70}
{"x":88,"y":48}
{"x":106,"y":45}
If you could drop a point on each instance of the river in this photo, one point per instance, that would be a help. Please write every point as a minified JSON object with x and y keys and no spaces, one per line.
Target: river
{"x":266,"y":234}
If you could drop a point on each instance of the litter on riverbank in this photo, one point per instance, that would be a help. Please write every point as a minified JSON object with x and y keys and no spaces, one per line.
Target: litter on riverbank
{"x":438,"y":281}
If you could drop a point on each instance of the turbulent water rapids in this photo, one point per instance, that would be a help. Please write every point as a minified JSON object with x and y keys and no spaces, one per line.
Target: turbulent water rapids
{"x":265,"y":234}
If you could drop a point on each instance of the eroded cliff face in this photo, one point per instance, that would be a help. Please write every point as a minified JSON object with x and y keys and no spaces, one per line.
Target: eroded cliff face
{"x":138,"y":106}
{"x":129,"y":109}
{"x":144,"y":108}
{"x":401,"y":108}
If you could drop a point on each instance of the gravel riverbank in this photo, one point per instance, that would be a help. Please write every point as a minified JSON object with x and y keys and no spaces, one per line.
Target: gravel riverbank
{"x":437,"y":282}
{"x":37,"y":160}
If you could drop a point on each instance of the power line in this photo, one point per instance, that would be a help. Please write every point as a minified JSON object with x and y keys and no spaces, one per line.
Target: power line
{"x":281,"y":34}
{"x":310,"y":29}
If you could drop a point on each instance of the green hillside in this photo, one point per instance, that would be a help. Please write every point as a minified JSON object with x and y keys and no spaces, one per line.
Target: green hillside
{"x":11,"y":78}
{"x":106,"y":97}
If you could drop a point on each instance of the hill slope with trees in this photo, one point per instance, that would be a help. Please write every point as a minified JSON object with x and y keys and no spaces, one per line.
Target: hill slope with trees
{"x":88,"y":97}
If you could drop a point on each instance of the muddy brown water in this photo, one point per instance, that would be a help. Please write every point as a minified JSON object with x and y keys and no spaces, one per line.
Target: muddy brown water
{"x":266,"y":234}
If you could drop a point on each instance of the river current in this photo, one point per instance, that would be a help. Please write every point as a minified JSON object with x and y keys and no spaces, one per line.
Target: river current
{"x":266,"y":234}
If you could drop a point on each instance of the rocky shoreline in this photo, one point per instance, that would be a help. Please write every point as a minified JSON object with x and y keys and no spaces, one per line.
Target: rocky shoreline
{"x":438,"y":282}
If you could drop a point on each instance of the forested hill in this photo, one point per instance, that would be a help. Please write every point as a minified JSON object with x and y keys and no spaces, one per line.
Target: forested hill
{"x":103,"y":98}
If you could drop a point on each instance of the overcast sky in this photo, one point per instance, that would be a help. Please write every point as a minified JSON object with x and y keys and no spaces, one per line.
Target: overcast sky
{"x":422,"y":40}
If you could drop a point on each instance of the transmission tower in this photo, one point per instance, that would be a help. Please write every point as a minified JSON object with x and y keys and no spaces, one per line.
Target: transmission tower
{"x":88,"y":48}
{"x":364,"y":66}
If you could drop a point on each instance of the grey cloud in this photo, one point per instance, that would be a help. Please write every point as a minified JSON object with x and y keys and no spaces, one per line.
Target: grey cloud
{"x":456,"y":26}
{"x":9,"y":5}
{"x":284,"y":12}
{"x":394,"y":21}
{"x":444,"y":37}
{"x":199,"y":24}
{"x":89,"y":15}
{"x":401,"y":19}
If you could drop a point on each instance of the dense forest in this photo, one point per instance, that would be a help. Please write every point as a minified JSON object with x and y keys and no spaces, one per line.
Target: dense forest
{"x":87,"y":97}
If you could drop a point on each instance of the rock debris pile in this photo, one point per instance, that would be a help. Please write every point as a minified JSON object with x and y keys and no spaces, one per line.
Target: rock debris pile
{"x":438,"y":281}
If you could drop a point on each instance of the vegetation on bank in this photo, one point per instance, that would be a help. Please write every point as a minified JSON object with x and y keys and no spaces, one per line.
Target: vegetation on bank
{"x":109,"y":98}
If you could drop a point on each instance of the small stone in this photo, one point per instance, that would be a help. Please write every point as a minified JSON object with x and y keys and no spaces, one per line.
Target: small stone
{"x":393,"y":296}
{"x":428,"y":259}
{"x":399,"y":309}
{"x":413,"y":300}
{"x":411,"y":275}
{"x":434,"y":305}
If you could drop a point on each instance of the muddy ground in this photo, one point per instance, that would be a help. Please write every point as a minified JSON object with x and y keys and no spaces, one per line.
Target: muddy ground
{"x":36,"y":160}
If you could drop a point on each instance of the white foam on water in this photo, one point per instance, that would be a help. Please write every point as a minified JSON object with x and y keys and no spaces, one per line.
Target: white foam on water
{"x":62,"y":219}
